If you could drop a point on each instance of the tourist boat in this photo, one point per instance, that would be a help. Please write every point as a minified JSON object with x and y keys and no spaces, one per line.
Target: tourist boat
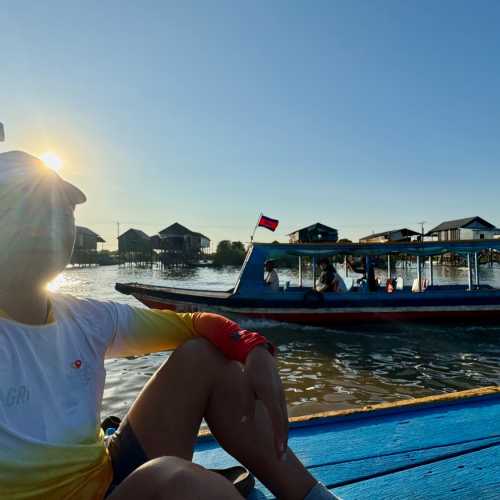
{"x":445,"y":446}
{"x":300,"y":304}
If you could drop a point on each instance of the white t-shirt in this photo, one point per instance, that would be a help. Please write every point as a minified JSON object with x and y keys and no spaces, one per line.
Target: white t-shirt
{"x":51,"y":386}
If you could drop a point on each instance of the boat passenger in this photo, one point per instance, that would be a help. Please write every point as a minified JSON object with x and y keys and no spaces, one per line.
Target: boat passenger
{"x":52,"y":350}
{"x":367,"y":269}
{"x":271,"y":278}
{"x":329,"y":280}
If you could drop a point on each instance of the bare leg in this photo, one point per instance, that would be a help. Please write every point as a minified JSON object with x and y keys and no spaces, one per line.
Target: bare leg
{"x":251,"y":442}
{"x":196,"y":382}
{"x":171,"y":478}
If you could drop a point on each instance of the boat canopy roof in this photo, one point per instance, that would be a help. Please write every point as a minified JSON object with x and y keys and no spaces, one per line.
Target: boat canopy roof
{"x":251,"y":280}
{"x":276,"y":250}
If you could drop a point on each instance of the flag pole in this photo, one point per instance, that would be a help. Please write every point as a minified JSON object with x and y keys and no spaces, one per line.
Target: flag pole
{"x":255,"y":228}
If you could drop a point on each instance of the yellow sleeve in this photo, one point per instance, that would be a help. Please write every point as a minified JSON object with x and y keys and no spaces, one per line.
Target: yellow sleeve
{"x":139,"y":331}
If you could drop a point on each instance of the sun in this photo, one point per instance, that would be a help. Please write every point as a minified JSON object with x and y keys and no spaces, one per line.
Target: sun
{"x":52,"y":160}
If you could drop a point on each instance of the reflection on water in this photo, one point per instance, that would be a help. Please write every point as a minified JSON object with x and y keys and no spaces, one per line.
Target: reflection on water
{"x":321,"y":369}
{"x":344,"y":368}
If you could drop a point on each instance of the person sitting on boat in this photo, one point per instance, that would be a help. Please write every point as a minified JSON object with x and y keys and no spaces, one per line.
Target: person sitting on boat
{"x":329,"y":280}
{"x":52,"y":350}
{"x":271,"y":278}
{"x":367,"y":269}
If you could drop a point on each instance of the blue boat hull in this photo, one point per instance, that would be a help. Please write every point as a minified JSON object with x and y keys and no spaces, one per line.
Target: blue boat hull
{"x":445,"y":447}
{"x":449,"y":304}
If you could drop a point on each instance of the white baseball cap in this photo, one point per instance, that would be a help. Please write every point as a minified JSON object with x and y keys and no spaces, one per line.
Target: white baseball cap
{"x":18,"y":168}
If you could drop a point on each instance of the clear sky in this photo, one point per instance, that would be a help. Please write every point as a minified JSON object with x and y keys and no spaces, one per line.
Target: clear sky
{"x":364,"y":115}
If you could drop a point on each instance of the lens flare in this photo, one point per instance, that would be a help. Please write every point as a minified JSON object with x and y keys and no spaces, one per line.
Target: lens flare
{"x":52,"y":160}
{"x":57,"y":283}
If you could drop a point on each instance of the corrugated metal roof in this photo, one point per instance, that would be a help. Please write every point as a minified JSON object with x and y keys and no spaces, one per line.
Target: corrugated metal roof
{"x":201,"y":235}
{"x":89,"y":232}
{"x":314,"y":226}
{"x":405,"y":230}
{"x":136,"y":232}
{"x":459,"y":223}
{"x":177,"y":229}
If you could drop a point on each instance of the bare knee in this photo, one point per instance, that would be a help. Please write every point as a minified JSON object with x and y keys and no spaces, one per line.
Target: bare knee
{"x":170,"y":468}
{"x":198,"y":347}
{"x":190,"y":481}
{"x":174,"y":473}
{"x":200,"y":353}
{"x":157,"y":479}
{"x":198,"y":361}
{"x":172,"y":478}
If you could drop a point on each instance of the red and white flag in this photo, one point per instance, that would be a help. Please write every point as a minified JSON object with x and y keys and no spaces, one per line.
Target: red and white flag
{"x":268,"y":223}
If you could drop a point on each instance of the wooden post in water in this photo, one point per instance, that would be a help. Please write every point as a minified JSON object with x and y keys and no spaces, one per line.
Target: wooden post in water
{"x":300,"y":271}
{"x":476,"y":269}
{"x":469,"y":270}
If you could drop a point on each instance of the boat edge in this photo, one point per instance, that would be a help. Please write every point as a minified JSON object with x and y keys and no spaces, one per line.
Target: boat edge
{"x":446,"y":399}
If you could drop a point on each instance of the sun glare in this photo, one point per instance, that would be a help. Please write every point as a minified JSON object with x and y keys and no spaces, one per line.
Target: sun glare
{"x":56,"y":283}
{"x":51,"y":160}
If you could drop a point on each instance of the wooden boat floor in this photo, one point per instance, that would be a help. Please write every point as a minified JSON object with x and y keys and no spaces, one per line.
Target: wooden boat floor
{"x":439,"y":447}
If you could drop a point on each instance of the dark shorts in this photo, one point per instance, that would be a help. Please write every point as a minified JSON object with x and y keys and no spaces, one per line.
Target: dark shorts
{"x":126,"y":454}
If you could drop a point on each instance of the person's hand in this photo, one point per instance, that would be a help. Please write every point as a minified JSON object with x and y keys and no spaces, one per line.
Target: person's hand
{"x":265,"y":384}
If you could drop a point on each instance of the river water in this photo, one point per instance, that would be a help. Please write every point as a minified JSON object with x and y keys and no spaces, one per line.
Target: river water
{"x":322,"y":369}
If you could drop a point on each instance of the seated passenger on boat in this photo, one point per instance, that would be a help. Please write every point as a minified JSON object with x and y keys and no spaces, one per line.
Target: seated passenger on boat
{"x":329,"y":280}
{"x":52,"y":351}
{"x":367,"y":269}
{"x":271,"y":278}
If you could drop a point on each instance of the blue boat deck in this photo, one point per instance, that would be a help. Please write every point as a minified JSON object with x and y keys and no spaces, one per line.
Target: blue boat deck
{"x":438,"y":447}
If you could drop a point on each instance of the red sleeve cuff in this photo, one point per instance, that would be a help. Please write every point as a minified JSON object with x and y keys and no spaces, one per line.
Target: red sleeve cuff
{"x":228,"y":337}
